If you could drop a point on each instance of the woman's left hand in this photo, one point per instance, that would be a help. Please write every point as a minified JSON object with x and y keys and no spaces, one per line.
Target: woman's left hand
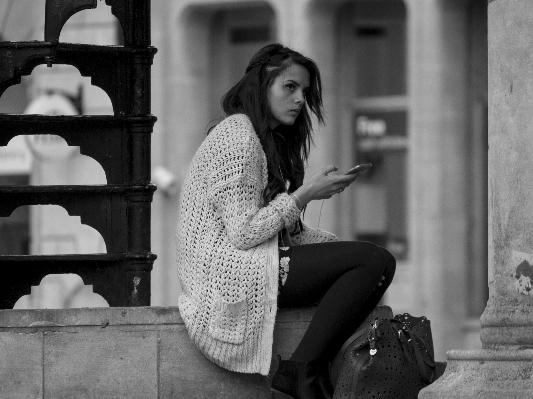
{"x":323,"y":185}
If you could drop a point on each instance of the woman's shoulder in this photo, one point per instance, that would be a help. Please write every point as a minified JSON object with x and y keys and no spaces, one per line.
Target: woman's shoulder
{"x":235,"y":131}
{"x":236,"y":123}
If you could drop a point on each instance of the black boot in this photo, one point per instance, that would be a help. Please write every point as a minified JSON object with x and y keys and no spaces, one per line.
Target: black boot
{"x":301,"y":380}
{"x":326,"y":387}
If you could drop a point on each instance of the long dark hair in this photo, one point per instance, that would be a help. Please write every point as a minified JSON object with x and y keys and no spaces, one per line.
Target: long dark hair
{"x":286,"y":147}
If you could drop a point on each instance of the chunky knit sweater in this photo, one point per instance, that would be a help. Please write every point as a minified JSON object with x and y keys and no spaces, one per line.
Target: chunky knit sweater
{"x":227,"y":248}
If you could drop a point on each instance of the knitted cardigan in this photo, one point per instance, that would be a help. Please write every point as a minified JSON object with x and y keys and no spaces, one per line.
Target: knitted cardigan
{"x":227,"y":248}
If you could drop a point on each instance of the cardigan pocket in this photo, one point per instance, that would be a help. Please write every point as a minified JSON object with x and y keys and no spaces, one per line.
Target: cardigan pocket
{"x":228,"y":323}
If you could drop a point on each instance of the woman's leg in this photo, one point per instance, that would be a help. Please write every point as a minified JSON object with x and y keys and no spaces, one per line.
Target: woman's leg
{"x":344,"y":277}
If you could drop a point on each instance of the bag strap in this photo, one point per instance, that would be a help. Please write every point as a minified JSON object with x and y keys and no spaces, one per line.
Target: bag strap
{"x":400,"y":325}
{"x":426,"y":375}
{"x":429,"y":359}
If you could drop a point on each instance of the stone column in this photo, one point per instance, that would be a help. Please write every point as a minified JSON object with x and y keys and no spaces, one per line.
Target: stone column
{"x":436,"y":285}
{"x":503,"y":368}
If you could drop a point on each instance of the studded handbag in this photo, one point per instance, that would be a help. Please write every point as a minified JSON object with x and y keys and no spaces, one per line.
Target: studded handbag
{"x":393,"y":360}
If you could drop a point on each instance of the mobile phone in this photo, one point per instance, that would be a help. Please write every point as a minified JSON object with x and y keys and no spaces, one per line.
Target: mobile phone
{"x":359,"y":168}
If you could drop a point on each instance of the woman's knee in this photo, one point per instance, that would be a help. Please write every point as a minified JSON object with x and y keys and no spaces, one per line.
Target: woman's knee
{"x":371,"y":257}
{"x":389,"y":264}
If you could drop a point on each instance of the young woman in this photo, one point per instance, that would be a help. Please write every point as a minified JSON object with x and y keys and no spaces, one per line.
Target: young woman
{"x":243,"y":250}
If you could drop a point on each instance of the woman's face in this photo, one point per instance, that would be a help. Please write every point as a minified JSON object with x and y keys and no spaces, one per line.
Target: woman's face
{"x":286,"y":95}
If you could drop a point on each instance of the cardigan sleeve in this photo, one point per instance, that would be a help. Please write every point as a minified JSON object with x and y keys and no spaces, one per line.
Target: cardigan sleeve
{"x":311,"y":235}
{"x":236,"y":190}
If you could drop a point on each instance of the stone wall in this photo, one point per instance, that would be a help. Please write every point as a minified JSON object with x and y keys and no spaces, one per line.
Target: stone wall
{"x":142,"y":353}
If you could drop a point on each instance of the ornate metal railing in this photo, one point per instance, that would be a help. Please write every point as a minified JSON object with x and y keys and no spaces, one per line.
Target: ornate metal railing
{"x":119,"y":210}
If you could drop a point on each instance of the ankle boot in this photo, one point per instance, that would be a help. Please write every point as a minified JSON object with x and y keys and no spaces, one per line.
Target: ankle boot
{"x":301,"y":380}
{"x":324,"y":382}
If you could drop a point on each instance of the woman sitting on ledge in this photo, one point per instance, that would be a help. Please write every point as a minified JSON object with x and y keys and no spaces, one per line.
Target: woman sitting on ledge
{"x":243,"y":250}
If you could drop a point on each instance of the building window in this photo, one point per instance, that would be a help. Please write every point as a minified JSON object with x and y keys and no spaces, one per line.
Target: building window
{"x":379,"y":44}
{"x":249,"y":34}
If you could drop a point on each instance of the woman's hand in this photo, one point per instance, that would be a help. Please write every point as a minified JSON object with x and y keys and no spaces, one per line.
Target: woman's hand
{"x":322,"y":185}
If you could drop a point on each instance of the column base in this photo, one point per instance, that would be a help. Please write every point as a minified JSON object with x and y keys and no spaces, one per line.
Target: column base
{"x":484,"y":374}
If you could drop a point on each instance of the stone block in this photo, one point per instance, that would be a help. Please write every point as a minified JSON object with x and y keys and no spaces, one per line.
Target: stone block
{"x":133,"y":353}
{"x":487,"y":374}
{"x":101,"y":363}
{"x":21,"y":367}
{"x":186,"y":373}
{"x":70,"y":318}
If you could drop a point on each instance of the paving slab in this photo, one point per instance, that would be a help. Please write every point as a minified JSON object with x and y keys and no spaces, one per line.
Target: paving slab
{"x":186,"y":373}
{"x":101,"y":364}
{"x":21,"y":366}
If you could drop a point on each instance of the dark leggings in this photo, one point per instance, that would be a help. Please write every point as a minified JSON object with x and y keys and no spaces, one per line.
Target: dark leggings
{"x":343,"y":278}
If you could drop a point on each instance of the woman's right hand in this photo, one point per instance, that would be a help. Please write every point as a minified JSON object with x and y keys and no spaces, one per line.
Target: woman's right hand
{"x":323,"y":185}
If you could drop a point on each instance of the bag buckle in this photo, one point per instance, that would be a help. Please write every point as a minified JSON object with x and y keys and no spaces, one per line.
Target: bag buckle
{"x":372,"y":338}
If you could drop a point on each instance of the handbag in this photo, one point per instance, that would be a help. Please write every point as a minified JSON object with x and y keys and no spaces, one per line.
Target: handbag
{"x":393,"y":359}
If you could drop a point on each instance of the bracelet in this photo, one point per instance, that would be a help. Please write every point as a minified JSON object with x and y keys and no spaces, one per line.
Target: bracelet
{"x":297,"y":199}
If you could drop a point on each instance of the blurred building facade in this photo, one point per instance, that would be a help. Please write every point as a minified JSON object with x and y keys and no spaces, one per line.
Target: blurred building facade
{"x":405,"y":87}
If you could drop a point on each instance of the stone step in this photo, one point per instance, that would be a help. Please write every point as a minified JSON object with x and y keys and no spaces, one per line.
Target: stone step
{"x":120,"y":213}
{"x":122,"y":72}
{"x":122,"y":279}
{"x":113,"y":141}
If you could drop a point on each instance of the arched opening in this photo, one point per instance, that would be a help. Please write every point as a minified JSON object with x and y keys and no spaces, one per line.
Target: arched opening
{"x":66,"y":80}
{"x":61,"y":291}
{"x":93,"y":26}
{"x":16,"y":98}
{"x":47,"y":230}
{"x":47,"y":160}
{"x":59,"y":90}
{"x":24,"y":22}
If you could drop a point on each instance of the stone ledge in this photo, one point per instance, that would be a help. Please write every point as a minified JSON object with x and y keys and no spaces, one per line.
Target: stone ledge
{"x":132,"y":353}
{"x":487,"y":374}
{"x":142,"y":352}
{"x":82,"y":317}
{"x":121,"y":316}
{"x":503,"y":354}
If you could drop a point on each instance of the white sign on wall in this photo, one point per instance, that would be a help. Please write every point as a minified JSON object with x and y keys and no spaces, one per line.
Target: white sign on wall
{"x":48,"y":147}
